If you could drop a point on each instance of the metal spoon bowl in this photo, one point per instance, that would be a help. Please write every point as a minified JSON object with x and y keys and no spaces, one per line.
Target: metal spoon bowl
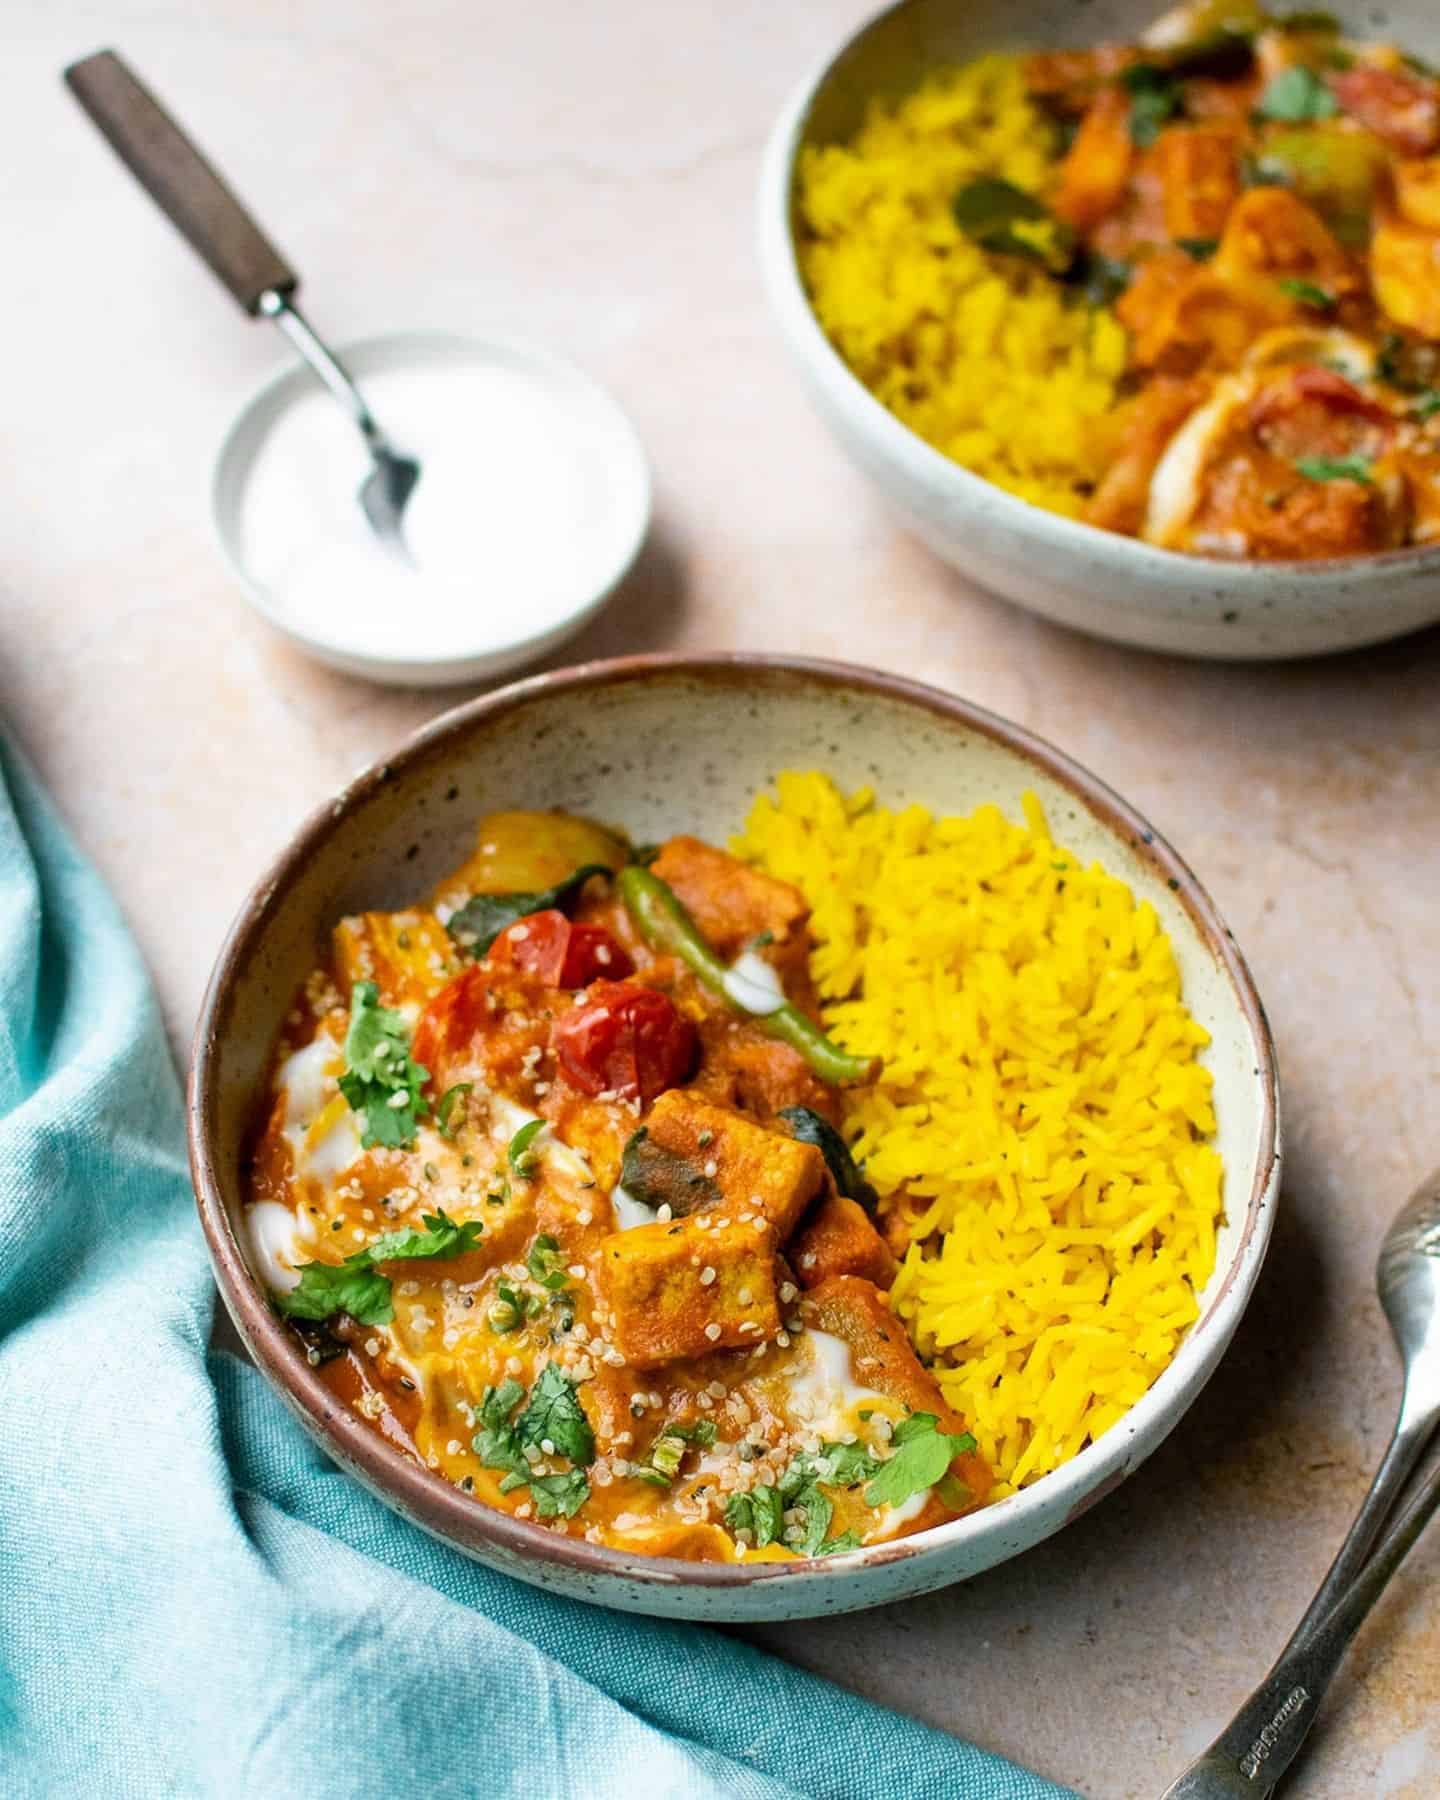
{"x":1263,"y":1739}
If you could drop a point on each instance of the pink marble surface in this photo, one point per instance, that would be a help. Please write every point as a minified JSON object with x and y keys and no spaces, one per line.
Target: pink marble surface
{"x":584,"y":176}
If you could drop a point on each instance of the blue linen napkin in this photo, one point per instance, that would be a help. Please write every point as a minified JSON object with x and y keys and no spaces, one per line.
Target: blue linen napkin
{"x":193,"y":1601}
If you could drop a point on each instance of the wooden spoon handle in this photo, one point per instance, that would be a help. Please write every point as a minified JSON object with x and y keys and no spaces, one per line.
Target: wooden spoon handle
{"x":179,"y":180}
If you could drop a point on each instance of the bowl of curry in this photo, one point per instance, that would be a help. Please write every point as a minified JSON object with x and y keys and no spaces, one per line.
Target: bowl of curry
{"x":1134,"y":313}
{"x":733,"y":1138}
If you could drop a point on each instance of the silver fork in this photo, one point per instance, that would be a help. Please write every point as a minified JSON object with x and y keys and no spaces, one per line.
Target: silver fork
{"x":1265,"y":1736}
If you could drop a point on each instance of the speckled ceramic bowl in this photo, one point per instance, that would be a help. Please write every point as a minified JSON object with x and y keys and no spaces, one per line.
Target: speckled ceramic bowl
{"x":1095,"y":580}
{"x":662,"y":745}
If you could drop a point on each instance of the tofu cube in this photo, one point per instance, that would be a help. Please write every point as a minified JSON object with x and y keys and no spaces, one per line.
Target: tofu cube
{"x":682,"y":1288}
{"x":730,"y":902}
{"x":755,"y":1169}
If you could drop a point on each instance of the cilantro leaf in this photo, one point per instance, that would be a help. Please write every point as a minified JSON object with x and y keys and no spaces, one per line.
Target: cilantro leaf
{"x":760,"y":1512}
{"x":518,"y":1152}
{"x":354,"y":1286}
{"x":848,"y":1463}
{"x":1308,"y":293}
{"x":554,"y":1416}
{"x":1335,"y":468}
{"x":477,"y":924}
{"x":328,"y":1288}
{"x":442,"y":1236}
{"x":819,"y":1511}
{"x":1297,"y":94}
{"x":561,"y":1495}
{"x":847,"y":1540}
{"x":922,"y":1456}
{"x":495,"y":1443}
{"x":382,"y":1080}
{"x":449,"y":1101}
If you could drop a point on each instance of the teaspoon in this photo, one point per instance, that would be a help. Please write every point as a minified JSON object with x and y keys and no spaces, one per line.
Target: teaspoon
{"x":1262,"y":1740}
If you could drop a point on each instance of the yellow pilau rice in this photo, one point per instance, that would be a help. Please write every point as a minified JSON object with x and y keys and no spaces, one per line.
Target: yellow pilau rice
{"x":1041,"y":1119}
{"x":981,"y":355}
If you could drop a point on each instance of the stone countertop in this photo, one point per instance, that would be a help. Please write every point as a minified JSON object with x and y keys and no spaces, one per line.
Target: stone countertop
{"x":583,"y":176}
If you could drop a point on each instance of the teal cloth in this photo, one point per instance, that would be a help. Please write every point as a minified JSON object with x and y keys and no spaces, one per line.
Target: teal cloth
{"x":193,"y":1600}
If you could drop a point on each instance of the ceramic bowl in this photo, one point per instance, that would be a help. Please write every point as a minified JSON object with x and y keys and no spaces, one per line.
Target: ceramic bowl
{"x":1094,"y":580}
{"x":667,"y":744}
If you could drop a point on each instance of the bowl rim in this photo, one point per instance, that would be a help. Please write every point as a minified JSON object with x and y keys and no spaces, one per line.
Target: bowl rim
{"x":790,"y":299}
{"x":457,"y":1518}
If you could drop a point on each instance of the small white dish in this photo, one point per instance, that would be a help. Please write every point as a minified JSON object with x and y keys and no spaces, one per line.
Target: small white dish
{"x":528,"y":466}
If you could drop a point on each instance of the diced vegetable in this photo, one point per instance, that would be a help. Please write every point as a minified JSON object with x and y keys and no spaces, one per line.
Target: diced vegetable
{"x":838,"y":1239}
{"x":1405,"y":273}
{"x":1097,"y":166}
{"x":1199,"y":167}
{"x":657,"y":1177}
{"x":625,"y":1040}
{"x":665,"y":925}
{"x":527,"y":852}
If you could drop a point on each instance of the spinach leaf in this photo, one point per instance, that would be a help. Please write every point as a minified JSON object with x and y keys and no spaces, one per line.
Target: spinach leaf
{"x":809,"y":1128}
{"x":658,"y":1177}
{"x":476,"y":925}
{"x":998,"y":216}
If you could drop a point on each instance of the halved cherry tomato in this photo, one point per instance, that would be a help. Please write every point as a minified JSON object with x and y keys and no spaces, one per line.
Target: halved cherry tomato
{"x":627,"y":1040}
{"x":559,"y":953}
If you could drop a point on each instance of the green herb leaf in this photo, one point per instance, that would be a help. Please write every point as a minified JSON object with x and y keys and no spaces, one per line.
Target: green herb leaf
{"x":328,"y":1288}
{"x":477,"y":924}
{"x":1297,"y":94}
{"x":847,"y":1540}
{"x":381,"y":1079}
{"x":922,"y":1456}
{"x":543,"y":1262}
{"x":354,"y":1287}
{"x":442,"y":1236}
{"x":554,"y":1416}
{"x":559,"y":1495}
{"x":849,"y":1464}
{"x":809,"y":1128}
{"x":819,"y":1511}
{"x":1335,"y":468}
{"x":760,"y":1512}
{"x":496,"y":1443}
{"x":658,"y":1177}
{"x":1001,"y":217}
{"x":449,"y":1101}
{"x":1308,"y":293}
{"x":518,"y":1154}
{"x":1425,"y":405}
{"x":1199,"y":249}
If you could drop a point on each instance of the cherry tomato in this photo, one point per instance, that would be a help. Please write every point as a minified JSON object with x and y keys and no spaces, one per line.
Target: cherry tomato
{"x":562,"y":955}
{"x":1331,"y":388}
{"x":625,"y":1040}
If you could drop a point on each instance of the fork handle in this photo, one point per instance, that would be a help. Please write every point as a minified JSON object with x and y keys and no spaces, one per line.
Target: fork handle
{"x":1265,"y":1736}
{"x":179,"y":180}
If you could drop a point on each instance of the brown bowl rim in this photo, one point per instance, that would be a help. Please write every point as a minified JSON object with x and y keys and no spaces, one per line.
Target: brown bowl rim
{"x":426,"y":1498}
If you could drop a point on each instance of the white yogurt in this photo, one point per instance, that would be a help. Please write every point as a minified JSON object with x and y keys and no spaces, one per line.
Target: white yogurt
{"x":532,"y":501}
